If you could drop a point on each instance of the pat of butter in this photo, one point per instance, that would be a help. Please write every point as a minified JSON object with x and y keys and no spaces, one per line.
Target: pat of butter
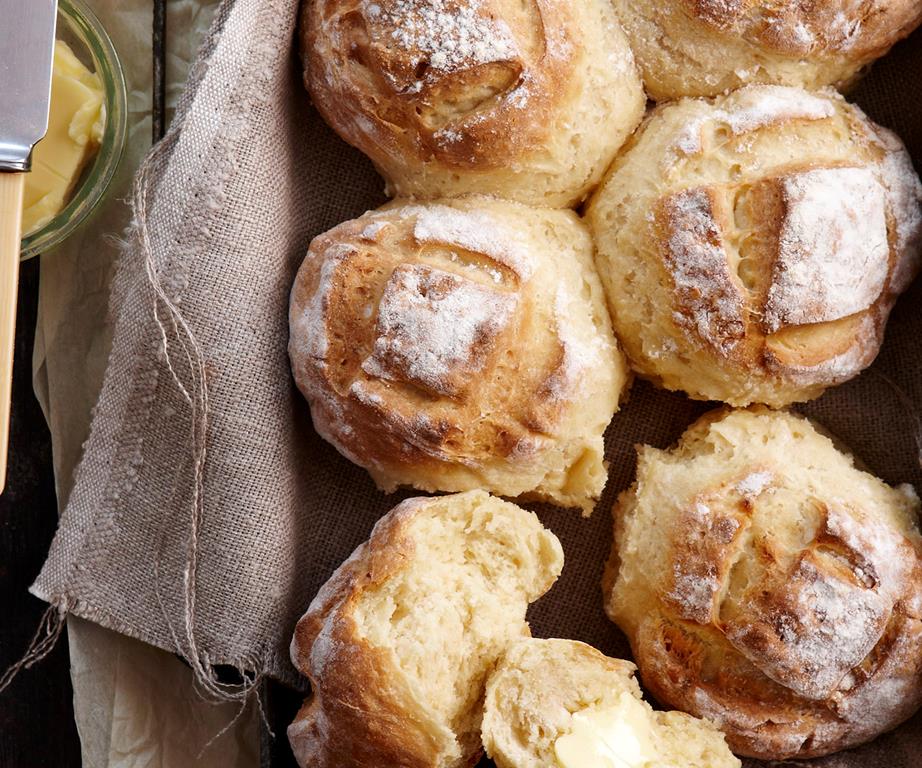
{"x":617,"y":736}
{"x":75,"y":127}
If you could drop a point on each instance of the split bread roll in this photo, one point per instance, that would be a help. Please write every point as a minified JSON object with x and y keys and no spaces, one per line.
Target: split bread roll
{"x":707,"y":47}
{"x":752,"y":246}
{"x":560,"y":703}
{"x":399,"y":642}
{"x":525,"y":101}
{"x":769,"y":585}
{"x":460,"y":345}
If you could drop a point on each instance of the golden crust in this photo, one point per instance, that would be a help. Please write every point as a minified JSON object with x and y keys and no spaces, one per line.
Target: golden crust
{"x":753,"y":246}
{"x":355,"y":709}
{"x":784,"y":601}
{"x":858,"y":32}
{"x":368,"y":709}
{"x":529,"y":101}
{"x":458,"y":346}
{"x":707,"y":47}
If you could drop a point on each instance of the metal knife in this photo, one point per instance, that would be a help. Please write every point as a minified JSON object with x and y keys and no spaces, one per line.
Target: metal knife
{"x":27,"y":29}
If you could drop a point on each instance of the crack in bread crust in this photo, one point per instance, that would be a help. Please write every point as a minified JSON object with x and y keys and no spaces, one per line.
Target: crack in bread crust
{"x":753,"y":246}
{"x":848,"y":27}
{"x":709,"y":47}
{"x":526,"y":100}
{"x":459,"y":346}
{"x":784,"y":602}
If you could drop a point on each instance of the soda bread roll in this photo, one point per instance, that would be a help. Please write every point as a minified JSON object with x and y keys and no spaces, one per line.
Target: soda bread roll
{"x":460,"y":345}
{"x":560,"y":703}
{"x":399,"y":642}
{"x":526,"y":101}
{"x":752,"y":246}
{"x":707,"y":47}
{"x":767,"y":584}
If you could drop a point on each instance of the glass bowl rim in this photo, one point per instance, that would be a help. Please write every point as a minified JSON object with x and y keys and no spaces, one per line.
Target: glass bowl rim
{"x":99,"y":175}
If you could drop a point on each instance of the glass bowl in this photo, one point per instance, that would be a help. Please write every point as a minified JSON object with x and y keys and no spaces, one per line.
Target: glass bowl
{"x":83,"y":32}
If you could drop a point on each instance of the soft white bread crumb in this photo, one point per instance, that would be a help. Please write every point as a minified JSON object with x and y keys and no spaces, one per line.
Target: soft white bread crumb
{"x":540,"y":685}
{"x":399,"y":642}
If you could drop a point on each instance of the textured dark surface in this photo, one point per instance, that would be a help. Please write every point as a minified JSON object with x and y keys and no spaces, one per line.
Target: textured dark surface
{"x":36,"y":711}
{"x":158,"y":48}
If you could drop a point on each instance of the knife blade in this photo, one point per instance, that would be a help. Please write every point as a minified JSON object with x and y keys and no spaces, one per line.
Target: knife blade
{"x":27,"y":29}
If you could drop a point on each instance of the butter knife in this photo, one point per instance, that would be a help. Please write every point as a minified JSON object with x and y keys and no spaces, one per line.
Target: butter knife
{"x":27,"y":29}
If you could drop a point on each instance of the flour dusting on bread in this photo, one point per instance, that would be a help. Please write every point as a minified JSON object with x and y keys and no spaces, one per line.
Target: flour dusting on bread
{"x":465,"y":344}
{"x":709,"y":301}
{"x":788,"y":613}
{"x":436,"y":328}
{"x":475,"y":231}
{"x":449,"y":34}
{"x":787,"y":224}
{"x":311,"y":323}
{"x":751,"y":109}
{"x":833,"y":253}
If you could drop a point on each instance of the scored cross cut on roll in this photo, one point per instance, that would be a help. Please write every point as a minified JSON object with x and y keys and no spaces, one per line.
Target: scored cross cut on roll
{"x":460,"y":345}
{"x":528,"y":101}
{"x":767,"y":584}
{"x":708,"y":47}
{"x":753,"y":246}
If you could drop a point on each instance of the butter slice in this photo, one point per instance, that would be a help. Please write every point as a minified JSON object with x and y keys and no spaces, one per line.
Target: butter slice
{"x":75,"y":127}
{"x":617,"y":736}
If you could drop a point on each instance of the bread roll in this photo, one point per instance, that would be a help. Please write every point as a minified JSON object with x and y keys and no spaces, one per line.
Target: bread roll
{"x":563,"y":703}
{"x":769,"y":585}
{"x":753,"y":246}
{"x":707,"y":47}
{"x":526,"y":101}
{"x":460,"y":345}
{"x":399,"y":642}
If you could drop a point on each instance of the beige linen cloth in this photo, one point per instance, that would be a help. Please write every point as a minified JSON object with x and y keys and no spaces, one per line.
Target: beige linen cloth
{"x":205,"y":512}
{"x":135,"y":705}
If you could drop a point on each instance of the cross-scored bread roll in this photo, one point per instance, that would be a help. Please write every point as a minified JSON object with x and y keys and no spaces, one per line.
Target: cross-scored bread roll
{"x":769,"y":585}
{"x":460,"y":345}
{"x":753,"y":246}
{"x":527,"y":101}
{"x":563,"y":703}
{"x":707,"y":47}
{"x":399,"y":642}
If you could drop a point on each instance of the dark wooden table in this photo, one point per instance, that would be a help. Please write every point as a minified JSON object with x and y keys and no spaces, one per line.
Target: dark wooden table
{"x":36,"y":712}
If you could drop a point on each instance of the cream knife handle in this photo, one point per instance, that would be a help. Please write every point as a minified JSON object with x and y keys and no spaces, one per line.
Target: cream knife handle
{"x":11,"y":187}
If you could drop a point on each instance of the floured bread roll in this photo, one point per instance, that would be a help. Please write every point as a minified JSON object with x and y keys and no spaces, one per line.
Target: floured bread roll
{"x":563,"y":703}
{"x":399,"y":642}
{"x":460,"y":345}
{"x":767,"y":584}
{"x":752,"y":246}
{"x":707,"y":47}
{"x":526,"y":101}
